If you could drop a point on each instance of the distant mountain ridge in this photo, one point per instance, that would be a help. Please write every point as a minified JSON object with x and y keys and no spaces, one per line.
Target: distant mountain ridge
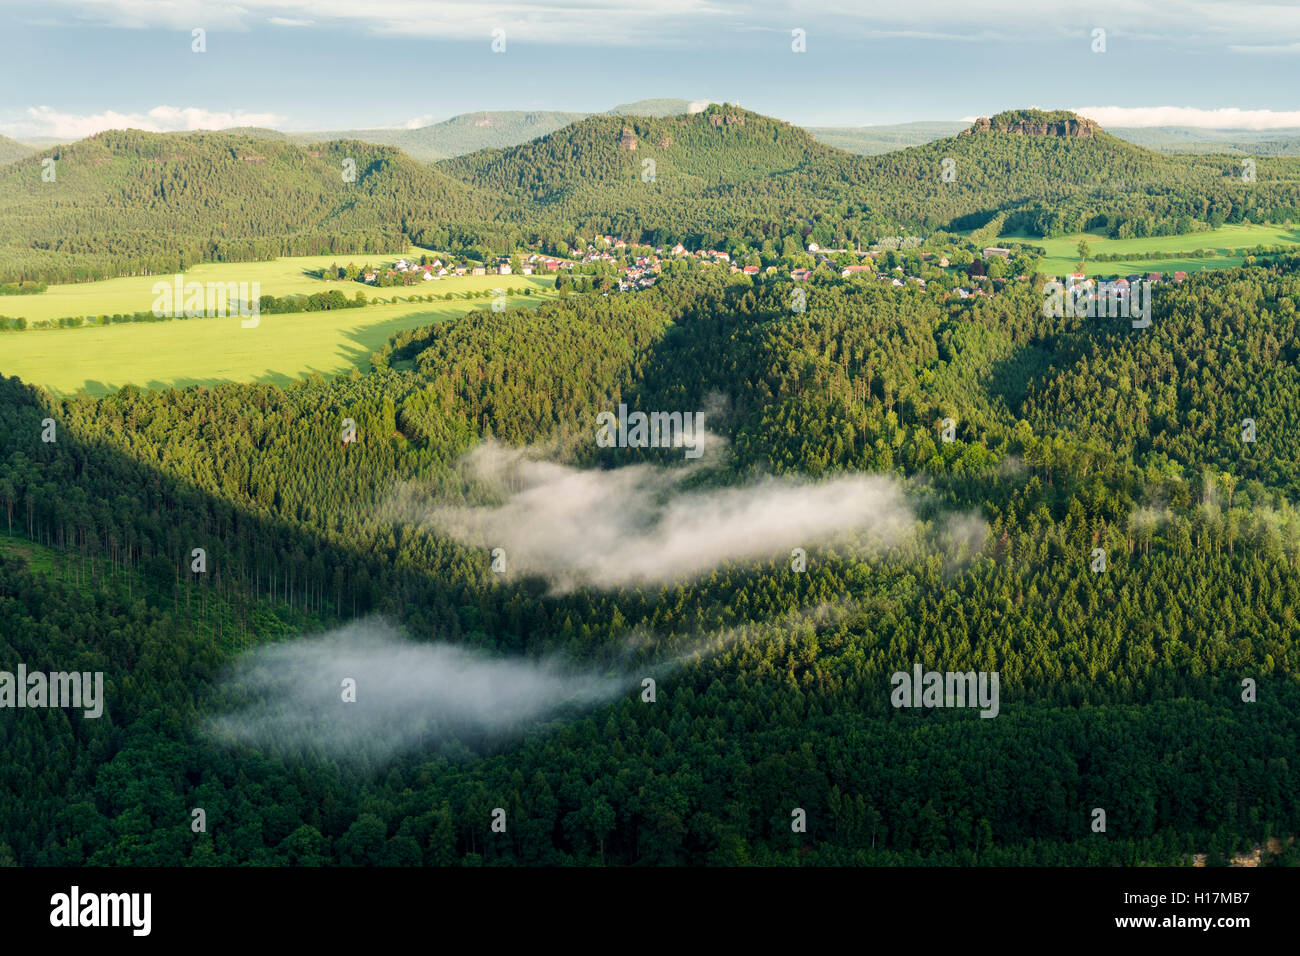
{"x":466,"y":133}
{"x":661,"y":106}
{"x":12,"y":150}
{"x":1193,"y":139}
{"x":873,"y":140}
{"x":488,"y":129}
{"x":458,"y":135}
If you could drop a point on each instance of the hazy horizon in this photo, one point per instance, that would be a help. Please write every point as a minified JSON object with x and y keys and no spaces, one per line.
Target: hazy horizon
{"x":342,"y":67}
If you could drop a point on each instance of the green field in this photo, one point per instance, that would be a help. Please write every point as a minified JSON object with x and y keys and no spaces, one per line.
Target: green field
{"x":38,"y":558}
{"x":279,"y":277}
{"x":205,"y":351}
{"x":1063,"y":257}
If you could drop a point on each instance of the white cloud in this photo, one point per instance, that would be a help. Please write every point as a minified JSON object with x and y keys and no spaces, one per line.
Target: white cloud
{"x":525,"y":21}
{"x":43,"y":121}
{"x":637,"y":526}
{"x":287,"y":698}
{"x":1232,"y":24}
{"x":408,"y":694}
{"x":1226,"y":118}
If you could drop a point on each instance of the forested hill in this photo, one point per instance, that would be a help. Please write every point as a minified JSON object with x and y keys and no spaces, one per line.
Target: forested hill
{"x":689,"y":178}
{"x":750,"y":174}
{"x":130,"y":201}
{"x":11,"y":150}
{"x":1028,"y":160}
{"x":124,"y":202}
{"x":719,"y":145}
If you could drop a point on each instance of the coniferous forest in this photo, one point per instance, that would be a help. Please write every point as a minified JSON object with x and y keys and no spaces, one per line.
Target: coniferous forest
{"x":1121,"y":689}
{"x":454,"y":606}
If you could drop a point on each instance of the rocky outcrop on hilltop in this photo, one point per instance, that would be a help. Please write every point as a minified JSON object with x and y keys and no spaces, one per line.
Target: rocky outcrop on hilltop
{"x":1036,"y":123}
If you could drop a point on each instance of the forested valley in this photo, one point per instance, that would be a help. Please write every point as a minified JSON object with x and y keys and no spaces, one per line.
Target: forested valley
{"x":1121,"y":689}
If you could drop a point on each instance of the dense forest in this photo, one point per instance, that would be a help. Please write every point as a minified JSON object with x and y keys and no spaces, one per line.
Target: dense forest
{"x":1122,"y":690}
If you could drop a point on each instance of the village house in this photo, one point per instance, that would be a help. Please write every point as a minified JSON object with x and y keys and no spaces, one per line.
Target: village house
{"x":991,"y":251}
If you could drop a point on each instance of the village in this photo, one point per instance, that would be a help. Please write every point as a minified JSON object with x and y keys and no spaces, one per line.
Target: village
{"x":610,"y":263}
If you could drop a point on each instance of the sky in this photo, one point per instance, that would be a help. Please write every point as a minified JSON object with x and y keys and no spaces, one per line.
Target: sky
{"x":69,"y":68}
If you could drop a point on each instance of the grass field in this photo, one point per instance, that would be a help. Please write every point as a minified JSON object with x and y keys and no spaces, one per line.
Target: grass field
{"x":281,"y":349}
{"x":39,"y":559}
{"x":279,"y":277}
{"x":1063,"y":257}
